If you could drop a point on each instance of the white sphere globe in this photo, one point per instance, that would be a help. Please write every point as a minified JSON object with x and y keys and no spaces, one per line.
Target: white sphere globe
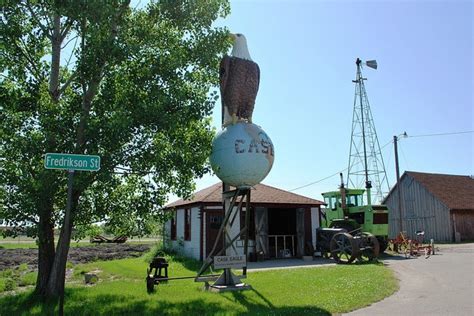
{"x":242,"y":155}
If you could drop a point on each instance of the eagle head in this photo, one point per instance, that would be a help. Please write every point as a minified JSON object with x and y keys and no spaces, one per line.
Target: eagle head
{"x":240,"y":49}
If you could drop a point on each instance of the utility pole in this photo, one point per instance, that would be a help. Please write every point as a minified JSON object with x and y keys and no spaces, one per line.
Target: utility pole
{"x":399,"y":189}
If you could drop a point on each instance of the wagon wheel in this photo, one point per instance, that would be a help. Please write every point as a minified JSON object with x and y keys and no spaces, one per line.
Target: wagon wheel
{"x":427,"y":250}
{"x":414,"y":248}
{"x":150,"y":284}
{"x":369,"y":247}
{"x":404,"y":248}
{"x":343,"y":248}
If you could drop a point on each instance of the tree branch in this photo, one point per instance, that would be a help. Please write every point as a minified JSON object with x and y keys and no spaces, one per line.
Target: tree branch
{"x":46,"y":30}
{"x":34,"y":70}
{"x":94,"y":83}
{"x":55,"y":59}
{"x":67,"y":27}
{"x":65,"y":45}
{"x":67,"y":83}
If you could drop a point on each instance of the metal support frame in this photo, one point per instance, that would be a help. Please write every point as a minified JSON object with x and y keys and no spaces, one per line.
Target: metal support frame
{"x":224,"y":236}
{"x":366,"y":166}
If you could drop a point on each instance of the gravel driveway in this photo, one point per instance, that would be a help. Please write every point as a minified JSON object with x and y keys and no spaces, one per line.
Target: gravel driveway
{"x":440,"y":285}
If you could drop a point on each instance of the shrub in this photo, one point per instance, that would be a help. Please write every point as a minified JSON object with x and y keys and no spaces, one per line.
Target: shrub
{"x":28,"y":279}
{"x":2,"y":285}
{"x":158,"y":251}
{"x":22,"y":267}
{"x":10,"y":284}
{"x":8,"y":273}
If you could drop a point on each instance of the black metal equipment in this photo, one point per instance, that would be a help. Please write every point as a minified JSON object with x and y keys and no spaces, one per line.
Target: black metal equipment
{"x":159,"y":264}
{"x":345,"y":245}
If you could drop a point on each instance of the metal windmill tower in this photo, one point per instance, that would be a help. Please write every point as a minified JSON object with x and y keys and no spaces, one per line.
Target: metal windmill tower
{"x":366,"y":166}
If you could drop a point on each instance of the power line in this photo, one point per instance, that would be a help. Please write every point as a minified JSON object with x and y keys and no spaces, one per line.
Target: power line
{"x":441,"y":134}
{"x":309,"y":184}
{"x":388,"y":143}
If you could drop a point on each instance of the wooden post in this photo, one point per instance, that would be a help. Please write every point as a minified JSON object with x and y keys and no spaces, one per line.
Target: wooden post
{"x":399,"y":189}
{"x":299,"y":232}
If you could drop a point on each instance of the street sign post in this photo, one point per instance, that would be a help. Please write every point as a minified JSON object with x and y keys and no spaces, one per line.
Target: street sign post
{"x":72,"y":162}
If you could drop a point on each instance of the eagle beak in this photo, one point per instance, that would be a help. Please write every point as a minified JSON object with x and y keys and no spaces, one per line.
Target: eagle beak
{"x":232,"y":36}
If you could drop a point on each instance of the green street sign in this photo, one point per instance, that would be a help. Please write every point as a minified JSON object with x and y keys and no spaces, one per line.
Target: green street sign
{"x":72,"y":162}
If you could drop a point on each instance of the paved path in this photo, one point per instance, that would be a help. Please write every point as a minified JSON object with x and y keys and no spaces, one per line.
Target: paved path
{"x":440,"y":285}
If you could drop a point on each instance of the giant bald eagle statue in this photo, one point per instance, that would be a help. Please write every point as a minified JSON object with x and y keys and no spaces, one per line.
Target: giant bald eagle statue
{"x":239,"y":81}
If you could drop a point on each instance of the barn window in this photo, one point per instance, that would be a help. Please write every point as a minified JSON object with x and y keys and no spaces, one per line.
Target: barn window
{"x":173,"y":226}
{"x":251,"y":227}
{"x":187,"y":224}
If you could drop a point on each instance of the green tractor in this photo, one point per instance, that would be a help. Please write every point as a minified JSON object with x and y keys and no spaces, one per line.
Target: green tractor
{"x":349,"y":229}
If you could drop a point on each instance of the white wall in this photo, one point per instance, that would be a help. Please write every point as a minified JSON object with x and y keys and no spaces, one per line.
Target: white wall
{"x":189,"y":248}
{"x":314,"y":223}
{"x":192,"y":248}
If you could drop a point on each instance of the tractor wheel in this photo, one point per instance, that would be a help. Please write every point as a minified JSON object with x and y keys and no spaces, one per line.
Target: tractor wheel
{"x":343,"y":248}
{"x":369,"y":247}
{"x":383,"y":242}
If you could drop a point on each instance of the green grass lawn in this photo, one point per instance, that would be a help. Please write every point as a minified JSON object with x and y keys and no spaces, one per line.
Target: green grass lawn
{"x":121,"y":291}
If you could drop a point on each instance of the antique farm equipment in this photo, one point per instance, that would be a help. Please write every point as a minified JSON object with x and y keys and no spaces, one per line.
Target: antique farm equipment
{"x":159,"y":264}
{"x":98,"y":239}
{"x":160,"y":274}
{"x":412,"y":247}
{"x":349,"y":229}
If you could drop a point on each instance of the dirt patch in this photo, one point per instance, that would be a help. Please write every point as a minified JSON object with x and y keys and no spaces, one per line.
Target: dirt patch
{"x":10,"y":258}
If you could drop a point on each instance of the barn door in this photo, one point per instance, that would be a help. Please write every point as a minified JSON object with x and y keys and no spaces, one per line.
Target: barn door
{"x":213,"y":224}
{"x":261,"y":230}
{"x":463,"y":223}
{"x":299,"y":232}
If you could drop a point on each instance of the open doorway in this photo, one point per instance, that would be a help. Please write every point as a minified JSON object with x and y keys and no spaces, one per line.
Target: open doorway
{"x":282,"y":237}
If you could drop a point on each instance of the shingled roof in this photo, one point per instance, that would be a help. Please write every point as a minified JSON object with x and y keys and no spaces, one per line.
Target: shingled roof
{"x":454,"y":191}
{"x":261,"y":194}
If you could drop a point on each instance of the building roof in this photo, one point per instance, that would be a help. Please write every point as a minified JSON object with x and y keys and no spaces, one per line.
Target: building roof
{"x":455,"y":191}
{"x":261,"y":194}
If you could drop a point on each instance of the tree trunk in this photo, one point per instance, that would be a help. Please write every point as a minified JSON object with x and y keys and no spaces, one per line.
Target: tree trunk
{"x":45,"y":250}
{"x":58,"y":271}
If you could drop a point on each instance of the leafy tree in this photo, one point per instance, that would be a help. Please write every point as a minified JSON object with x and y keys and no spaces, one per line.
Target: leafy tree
{"x":89,"y":231}
{"x":99,"y":77}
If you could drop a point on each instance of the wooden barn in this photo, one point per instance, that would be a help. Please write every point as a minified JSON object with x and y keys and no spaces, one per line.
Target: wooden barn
{"x":441,"y":205}
{"x":282,"y":223}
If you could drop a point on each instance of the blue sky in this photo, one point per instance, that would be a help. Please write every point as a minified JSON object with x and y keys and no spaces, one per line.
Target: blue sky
{"x":306,"y":51}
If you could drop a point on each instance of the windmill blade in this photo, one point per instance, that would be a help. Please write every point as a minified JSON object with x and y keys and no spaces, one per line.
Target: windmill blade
{"x":371,"y":64}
